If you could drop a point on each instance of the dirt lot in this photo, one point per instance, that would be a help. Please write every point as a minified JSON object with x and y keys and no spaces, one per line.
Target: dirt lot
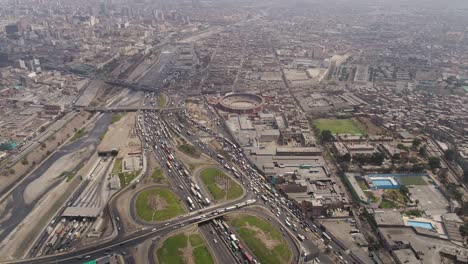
{"x":36,"y":156}
{"x":121,"y":135}
{"x":197,"y":111}
{"x":367,"y":125}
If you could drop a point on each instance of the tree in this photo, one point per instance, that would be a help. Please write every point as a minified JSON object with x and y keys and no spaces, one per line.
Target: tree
{"x":12,"y":171}
{"x":417,"y":167}
{"x":344,"y":158}
{"x":464,"y":230}
{"x":327,"y":136}
{"x":404,"y":189}
{"x":25,"y":161}
{"x":416,"y":142}
{"x":377,"y":158}
{"x":449,"y":154}
{"x":433,"y":162}
{"x":422,"y":151}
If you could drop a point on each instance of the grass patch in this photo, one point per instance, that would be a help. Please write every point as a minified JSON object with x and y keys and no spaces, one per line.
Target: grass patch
{"x":78,"y":134}
{"x":127,"y":177}
{"x":162,"y":100}
{"x":386,"y":204}
{"x":195,"y":240}
{"x":338,"y":126}
{"x":116,"y":118}
{"x":189,"y":150}
{"x":202,"y":255}
{"x":411,"y":180}
{"x":371,"y":196}
{"x":68,"y":175}
{"x":362,"y":184}
{"x":158,"y":175}
{"x":170,"y":252}
{"x":414,"y":212}
{"x":173,"y":207}
{"x":279,"y":254}
{"x":213,"y":178}
{"x":396,"y":196}
{"x":117,"y":166}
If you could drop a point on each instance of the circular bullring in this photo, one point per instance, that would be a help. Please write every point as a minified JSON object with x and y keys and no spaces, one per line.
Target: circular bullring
{"x":241,"y":103}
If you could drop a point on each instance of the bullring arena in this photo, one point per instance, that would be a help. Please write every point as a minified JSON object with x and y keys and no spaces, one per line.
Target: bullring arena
{"x":241,"y":103}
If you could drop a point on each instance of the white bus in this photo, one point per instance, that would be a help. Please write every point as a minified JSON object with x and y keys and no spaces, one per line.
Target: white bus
{"x":190,"y":202}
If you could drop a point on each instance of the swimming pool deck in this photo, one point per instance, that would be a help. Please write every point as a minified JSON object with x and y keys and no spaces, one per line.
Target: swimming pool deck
{"x":437,"y":226}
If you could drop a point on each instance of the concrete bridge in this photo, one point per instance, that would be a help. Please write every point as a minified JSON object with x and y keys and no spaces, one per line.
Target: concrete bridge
{"x":129,"y":109}
{"x":134,"y":86}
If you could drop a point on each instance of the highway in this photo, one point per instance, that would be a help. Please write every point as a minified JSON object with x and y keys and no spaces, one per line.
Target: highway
{"x":157,"y":131}
{"x":253,"y":181}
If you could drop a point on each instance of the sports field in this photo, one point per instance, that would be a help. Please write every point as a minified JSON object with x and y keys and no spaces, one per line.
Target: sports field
{"x":263,"y":239}
{"x":338,"y":126}
{"x":411,"y":180}
{"x":158,"y":204}
{"x":220,"y":186}
{"x":183,"y":249}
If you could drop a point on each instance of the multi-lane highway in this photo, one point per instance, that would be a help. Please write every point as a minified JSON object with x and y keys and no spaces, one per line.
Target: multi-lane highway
{"x":157,"y":131}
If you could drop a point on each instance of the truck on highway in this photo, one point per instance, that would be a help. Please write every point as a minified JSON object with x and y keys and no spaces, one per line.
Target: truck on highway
{"x":248,"y":257}
{"x":226,"y":227}
{"x":234,"y":246}
{"x":300,"y":237}
{"x":250,"y":201}
{"x":230,"y":208}
{"x":190,"y":202}
{"x":233,"y":237}
{"x":207,"y":201}
{"x":326,"y":237}
{"x":264,"y":198}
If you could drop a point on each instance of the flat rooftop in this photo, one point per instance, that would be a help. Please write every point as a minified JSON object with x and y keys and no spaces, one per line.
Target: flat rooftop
{"x":91,"y":212}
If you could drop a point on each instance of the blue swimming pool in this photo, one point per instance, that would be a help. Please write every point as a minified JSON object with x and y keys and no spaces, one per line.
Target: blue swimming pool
{"x":382,"y":182}
{"x":425,"y":225}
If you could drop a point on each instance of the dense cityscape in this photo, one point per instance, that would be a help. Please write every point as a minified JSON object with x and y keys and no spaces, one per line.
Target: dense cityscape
{"x":234,"y":131}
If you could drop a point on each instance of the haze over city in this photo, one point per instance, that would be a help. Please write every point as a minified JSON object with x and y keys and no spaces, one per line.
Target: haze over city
{"x":234,"y":131}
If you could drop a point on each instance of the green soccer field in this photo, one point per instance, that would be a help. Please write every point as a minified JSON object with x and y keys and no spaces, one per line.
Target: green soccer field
{"x":338,"y":126}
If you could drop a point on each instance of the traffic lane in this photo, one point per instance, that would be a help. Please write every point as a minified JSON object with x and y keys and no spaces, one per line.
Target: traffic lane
{"x":113,"y":246}
{"x":201,"y":146}
{"x":238,"y":164}
{"x":308,"y":243}
{"x":223,"y":254}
